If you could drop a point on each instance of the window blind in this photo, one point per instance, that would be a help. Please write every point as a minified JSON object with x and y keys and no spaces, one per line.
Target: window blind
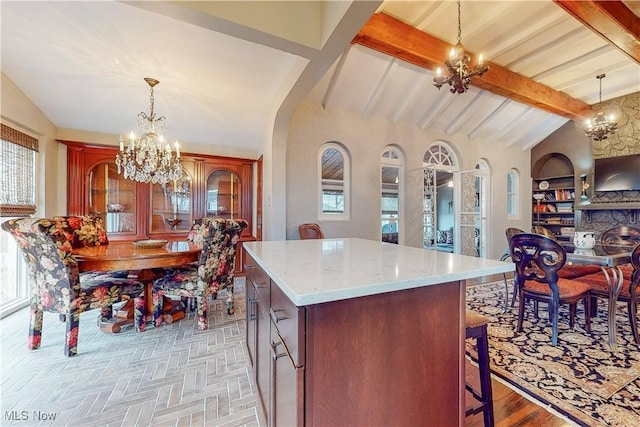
{"x":17,"y":173}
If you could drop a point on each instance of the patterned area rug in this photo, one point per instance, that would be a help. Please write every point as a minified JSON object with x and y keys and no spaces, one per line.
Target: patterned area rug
{"x":580,"y":378}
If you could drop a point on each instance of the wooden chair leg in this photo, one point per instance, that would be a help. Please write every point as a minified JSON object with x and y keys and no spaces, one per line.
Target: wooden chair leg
{"x":632,"y":309}
{"x":521,"y":312}
{"x":587,"y":314}
{"x":572,"y":315}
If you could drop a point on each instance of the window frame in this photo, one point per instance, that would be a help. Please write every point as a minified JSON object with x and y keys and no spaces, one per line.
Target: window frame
{"x":335,"y":184}
{"x":13,"y":265}
{"x":513,"y":194}
{"x":393,"y":158}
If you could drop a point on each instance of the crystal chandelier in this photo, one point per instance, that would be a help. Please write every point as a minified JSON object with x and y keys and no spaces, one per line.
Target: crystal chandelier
{"x":600,"y":126}
{"x":148,"y":158}
{"x":459,"y":77}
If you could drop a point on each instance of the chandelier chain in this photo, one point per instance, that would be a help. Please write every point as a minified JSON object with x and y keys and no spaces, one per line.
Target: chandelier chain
{"x":459,"y":24}
{"x":600,"y":77}
{"x":152,"y":102}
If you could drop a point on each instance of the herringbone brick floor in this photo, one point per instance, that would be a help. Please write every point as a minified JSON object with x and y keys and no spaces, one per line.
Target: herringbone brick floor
{"x":175,"y":375}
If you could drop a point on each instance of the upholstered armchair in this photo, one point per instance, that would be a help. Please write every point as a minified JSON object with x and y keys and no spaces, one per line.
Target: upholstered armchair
{"x":538,"y":259}
{"x":56,"y":283}
{"x":213,"y":273}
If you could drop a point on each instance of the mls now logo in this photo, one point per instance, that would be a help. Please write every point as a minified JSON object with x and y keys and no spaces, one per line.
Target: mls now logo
{"x":29,"y":415}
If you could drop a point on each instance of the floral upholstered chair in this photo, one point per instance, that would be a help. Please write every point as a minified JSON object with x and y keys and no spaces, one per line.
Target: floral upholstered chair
{"x":213,"y":273}
{"x":56,"y":283}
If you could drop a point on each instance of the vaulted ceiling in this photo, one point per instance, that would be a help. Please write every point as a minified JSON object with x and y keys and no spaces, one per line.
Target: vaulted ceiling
{"x":227,"y":68}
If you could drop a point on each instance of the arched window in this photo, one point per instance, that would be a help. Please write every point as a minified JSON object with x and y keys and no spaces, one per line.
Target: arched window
{"x":513,"y":183}
{"x":391,"y":172}
{"x":334,"y":179}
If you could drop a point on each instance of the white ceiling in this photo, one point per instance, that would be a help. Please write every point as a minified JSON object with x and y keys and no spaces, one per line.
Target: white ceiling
{"x":226,"y":68}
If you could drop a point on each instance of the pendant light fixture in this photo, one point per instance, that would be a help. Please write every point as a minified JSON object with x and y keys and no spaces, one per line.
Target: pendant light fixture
{"x":149,"y":157}
{"x":600,"y":126}
{"x":459,"y":77}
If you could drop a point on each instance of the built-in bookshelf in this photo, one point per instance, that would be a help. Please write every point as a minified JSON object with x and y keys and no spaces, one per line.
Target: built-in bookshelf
{"x":553,"y":204}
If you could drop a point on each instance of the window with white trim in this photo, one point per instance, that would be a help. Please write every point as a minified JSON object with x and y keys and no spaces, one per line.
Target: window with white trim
{"x":391,"y":164}
{"x":513,"y":182}
{"x":333,"y":168}
{"x":18,"y":154}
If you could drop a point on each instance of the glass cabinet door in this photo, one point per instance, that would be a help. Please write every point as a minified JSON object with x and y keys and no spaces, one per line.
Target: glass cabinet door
{"x":223,"y":195}
{"x":171,"y":205}
{"x":112,"y":198}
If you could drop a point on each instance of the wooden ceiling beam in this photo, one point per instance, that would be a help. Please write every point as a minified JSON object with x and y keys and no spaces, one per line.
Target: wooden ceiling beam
{"x":393,"y":37}
{"x":611,"y":20}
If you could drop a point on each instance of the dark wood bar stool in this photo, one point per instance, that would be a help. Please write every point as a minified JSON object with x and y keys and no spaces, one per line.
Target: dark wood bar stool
{"x":476,"y":327}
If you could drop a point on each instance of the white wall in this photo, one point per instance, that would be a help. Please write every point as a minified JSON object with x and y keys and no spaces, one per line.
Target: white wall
{"x":365,"y":138}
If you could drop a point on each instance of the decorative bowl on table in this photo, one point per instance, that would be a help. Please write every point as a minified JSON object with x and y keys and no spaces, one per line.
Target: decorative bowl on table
{"x":116,"y":207}
{"x":150,"y":243}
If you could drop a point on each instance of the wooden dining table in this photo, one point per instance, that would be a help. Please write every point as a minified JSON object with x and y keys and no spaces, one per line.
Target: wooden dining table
{"x":608,"y":258}
{"x":144,"y":261}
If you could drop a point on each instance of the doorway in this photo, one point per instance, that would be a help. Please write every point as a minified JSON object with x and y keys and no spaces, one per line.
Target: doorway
{"x":439,"y":198}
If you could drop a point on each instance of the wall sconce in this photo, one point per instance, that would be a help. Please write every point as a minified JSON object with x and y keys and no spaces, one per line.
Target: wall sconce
{"x":585,"y":186}
{"x":450,"y":183}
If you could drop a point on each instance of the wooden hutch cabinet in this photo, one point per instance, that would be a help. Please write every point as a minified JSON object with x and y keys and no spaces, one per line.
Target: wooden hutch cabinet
{"x":211,"y":186}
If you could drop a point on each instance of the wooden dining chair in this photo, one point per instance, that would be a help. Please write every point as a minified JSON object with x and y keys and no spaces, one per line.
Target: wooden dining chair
{"x":509,"y":232}
{"x":310,"y":231}
{"x":213,"y":273}
{"x":568,"y":271}
{"x":538,"y":260}
{"x":56,"y":283}
{"x":616,"y":237}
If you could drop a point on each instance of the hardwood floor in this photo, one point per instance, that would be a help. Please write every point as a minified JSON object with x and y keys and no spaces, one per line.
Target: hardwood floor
{"x":510,"y":409}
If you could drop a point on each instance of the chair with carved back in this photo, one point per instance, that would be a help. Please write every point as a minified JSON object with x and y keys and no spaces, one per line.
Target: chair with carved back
{"x":212,"y":273}
{"x":616,"y":237}
{"x":56,"y":282}
{"x":509,"y":232}
{"x":310,"y":231}
{"x":538,"y":229}
{"x":568,"y":271}
{"x":537,"y":260}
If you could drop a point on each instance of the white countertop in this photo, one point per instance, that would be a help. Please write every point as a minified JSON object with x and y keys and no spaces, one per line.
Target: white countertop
{"x":317,"y":271}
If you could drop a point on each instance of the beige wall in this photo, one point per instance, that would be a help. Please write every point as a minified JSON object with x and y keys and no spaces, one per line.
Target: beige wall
{"x":20,"y":113}
{"x":366,"y":138}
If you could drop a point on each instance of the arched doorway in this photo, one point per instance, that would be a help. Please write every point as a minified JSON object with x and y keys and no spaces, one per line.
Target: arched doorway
{"x":440,"y":165}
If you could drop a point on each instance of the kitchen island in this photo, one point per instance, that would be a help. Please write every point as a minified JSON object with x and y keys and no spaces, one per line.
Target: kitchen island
{"x":355,"y":332}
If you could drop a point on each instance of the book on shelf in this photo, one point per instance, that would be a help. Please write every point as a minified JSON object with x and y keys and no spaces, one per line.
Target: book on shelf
{"x":565,"y":207}
{"x":563,"y":195}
